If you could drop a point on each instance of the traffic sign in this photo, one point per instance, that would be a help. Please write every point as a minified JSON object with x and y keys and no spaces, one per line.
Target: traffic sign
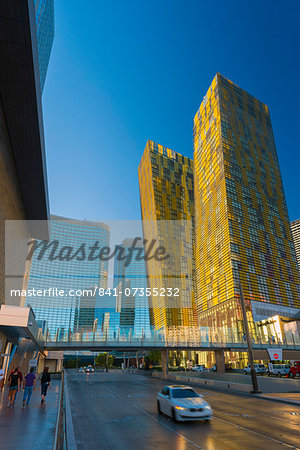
{"x":275,"y":354}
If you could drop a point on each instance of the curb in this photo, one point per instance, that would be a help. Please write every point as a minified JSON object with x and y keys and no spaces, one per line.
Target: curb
{"x":279,"y":400}
{"x":71,"y":443}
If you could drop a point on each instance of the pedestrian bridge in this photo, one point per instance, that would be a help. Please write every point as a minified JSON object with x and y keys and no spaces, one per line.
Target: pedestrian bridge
{"x":173,"y":339}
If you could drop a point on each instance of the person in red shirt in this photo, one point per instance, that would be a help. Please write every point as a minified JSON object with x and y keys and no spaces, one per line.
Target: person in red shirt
{"x":14,"y":384}
{"x":19,"y":373}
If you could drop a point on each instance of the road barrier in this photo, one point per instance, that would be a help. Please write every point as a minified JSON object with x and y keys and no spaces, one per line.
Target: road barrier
{"x":59,"y":442}
{"x":217,"y":384}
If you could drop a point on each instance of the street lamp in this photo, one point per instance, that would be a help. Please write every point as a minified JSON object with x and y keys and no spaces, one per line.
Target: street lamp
{"x":249,"y":344}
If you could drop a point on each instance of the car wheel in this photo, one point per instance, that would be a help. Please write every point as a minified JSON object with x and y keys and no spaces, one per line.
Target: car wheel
{"x":158,"y":408}
{"x":245,"y":372}
{"x":207,"y":420}
{"x":174,"y":417}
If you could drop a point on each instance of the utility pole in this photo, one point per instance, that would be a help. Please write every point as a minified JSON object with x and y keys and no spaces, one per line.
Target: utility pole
{"x":249,"y":344}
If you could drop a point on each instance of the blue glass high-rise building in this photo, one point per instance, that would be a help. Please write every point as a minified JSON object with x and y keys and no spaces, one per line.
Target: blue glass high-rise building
{"x":44,"y":18}
{"x":67,"y":265}
{"x":131,"y":281}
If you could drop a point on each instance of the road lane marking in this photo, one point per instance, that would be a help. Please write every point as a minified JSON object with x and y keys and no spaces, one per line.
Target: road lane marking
{"x":138,"y":395}
{"x":119,"y":419}
{"x":98,"y":396}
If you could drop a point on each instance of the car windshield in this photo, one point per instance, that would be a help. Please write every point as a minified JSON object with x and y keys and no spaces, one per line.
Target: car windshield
{"x":183,"y":393}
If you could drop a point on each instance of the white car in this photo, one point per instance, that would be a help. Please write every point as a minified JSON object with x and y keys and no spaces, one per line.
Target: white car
{"x":183,"y":403}
{"x":259,"y":368}
{"x":279,"y":369}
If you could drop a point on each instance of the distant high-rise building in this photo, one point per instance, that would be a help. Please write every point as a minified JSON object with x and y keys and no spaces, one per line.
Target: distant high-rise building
{"x":65,"y":263}
{"x":131,"y":281}
{"x":242,"y":230}
{"x":295,"y":227}
{"x":167,"y":207}
{"x":44,"y":18}
{"x":98,"y":313}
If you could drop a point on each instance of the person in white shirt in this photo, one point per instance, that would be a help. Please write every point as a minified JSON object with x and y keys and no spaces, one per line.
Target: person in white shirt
{"x":1,"y":379}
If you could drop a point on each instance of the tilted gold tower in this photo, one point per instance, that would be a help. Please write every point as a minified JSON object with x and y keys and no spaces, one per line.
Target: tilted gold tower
{"x":167,"y":206}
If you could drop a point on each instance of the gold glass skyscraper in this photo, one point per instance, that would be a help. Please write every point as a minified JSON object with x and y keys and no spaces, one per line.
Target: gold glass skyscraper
{"x":167,"y":207}
{"x":242,"y":231}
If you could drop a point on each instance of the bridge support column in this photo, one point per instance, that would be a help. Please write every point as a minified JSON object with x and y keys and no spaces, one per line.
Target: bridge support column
{"x":165,"y":362}
{"x":220,"y":361}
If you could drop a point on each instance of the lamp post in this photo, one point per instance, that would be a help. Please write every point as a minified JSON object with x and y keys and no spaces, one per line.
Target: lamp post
{"x":249,"y":343}
{"x":95,"y":325}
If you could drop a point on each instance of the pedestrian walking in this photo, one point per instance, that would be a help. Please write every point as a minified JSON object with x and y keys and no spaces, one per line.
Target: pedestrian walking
{"x":29,"y":386}
{"x":1,"y":378}
{"x":19,"y":373}
{"x":45,"y":383}
{"x":14,"y":385}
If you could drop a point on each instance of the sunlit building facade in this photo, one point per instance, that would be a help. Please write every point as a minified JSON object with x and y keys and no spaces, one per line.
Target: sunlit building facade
{"x":295,"y":227}
{"x":167,"y":208}
{"x":242,"y":230}
{"x":77,"y":276}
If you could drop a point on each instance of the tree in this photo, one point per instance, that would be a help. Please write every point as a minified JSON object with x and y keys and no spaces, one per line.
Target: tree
{"x":100,"y":360}
{"x":155,"y":357}
{"x":178,"y":358}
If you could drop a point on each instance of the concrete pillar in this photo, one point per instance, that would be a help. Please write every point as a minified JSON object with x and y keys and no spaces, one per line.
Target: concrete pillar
{"x":165,"y":362}
{"x":220,"y":361}
{"x":106,"y":362}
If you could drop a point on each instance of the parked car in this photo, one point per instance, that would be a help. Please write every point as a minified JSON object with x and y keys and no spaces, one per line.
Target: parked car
{"x":81,"y":369}
{"x":259,"y":368}
{"x":183,"y":403}
{"x":89,"y":369}
{"x":199,"y":368}
{"x":279,"y":369}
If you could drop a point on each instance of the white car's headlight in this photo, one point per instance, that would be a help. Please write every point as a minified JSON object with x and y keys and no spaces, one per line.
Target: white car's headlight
{"x":207,"y":407}
{"x":180,"y":408}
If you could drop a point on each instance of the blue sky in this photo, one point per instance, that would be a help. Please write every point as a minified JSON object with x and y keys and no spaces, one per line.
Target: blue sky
{"x":123,"y":72}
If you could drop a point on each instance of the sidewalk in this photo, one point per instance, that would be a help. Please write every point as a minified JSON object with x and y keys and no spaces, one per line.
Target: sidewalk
{"x":292,"y":398}
{"x":30,"y":427}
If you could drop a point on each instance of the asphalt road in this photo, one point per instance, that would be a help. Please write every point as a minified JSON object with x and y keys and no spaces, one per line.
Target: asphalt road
{"x":117,"y":410}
